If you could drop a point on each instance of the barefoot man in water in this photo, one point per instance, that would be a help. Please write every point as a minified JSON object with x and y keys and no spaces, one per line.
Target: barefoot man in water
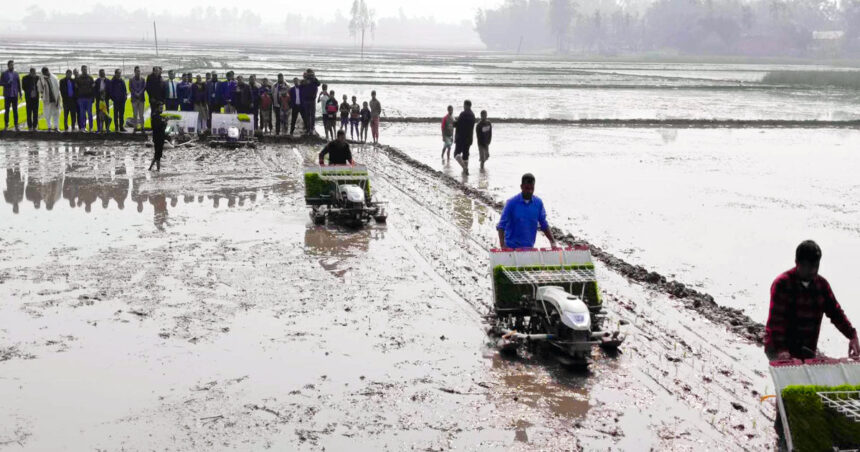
{"x":798,"y":300}
{"x":521,"y":217}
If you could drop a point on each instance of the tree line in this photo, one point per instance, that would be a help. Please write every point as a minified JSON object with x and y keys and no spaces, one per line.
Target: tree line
{"x":709,"y":27}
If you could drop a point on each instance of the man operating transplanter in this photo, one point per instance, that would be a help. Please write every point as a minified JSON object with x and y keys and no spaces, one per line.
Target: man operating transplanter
{"x":522,"y":216}
{"x":798,"y":299}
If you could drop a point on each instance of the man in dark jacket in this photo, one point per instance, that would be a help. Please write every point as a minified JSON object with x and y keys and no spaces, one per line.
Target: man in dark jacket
{"x":85,"y":89}
{"x":484,"y":133}
{"x":155,"y":89}
{"x":213,"y":97}
{"x":11,"y":83}
{"x":30,"y":87}
{"x":183,"y":89}
{"x":242,"y":96}
{"x":102,"y":92}
{"x":296,"y":103}
{"x":171,"y":92}
{"x":118,"y":94}
{"x":309,"y":88}
{"x":464,"y":128}
{"x":70,"y":101}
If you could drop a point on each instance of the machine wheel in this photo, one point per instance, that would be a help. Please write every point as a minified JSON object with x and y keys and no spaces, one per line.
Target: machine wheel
{"x":380,"y":219}
{"x":318,"y":218}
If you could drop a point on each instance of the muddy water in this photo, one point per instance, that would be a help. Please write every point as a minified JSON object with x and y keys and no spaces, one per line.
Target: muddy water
{"x":199,"y":309}
{"x":719,"y":209}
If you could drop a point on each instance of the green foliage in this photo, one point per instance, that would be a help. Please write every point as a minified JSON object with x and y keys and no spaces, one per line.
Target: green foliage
{"x":509,"y":294}
{"x":842,"y":79}
{"x":243,"y":117}
{"x":316,"y":187}
{"x":170,"y":116}
{"x":815,"y":427}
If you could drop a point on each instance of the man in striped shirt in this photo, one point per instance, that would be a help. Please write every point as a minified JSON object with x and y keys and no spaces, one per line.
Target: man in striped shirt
{"x":798,"y":300}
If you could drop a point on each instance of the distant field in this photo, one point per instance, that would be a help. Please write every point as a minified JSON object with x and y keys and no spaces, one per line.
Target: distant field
{"x":842,"y":79}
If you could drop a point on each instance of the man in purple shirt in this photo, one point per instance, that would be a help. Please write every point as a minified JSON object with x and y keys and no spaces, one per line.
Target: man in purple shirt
{"x":11,"y":83}
{"x":137,"y":88}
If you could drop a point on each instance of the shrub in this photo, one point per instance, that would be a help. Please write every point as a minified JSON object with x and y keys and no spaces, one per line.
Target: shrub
{"x":815,"y":427}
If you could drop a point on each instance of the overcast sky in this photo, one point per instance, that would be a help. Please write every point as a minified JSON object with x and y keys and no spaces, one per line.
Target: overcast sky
{"x":450,"y":11}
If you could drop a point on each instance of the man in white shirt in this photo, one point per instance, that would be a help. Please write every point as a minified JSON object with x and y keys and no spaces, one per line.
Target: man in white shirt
{"x":49,"y":89}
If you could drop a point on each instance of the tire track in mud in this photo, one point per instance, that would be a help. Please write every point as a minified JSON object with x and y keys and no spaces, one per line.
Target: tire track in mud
{"x":683,"y":370}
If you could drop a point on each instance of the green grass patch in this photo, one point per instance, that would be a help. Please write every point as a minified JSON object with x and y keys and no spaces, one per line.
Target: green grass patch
{"x":508,"y":294}
{"x":840,"y":79}
{"x":815,"y":427}
{"x":22,"y":118}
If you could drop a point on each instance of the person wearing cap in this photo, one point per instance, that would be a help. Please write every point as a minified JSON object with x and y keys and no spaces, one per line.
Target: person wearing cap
{"x":49,"y":89}
{"x":11,"y":83}
{"x":522,"y":216}
{"x":798,"y":300}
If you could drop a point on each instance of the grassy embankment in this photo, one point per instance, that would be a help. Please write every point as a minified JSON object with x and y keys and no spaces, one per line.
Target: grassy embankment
{"x":839,"y":79}
{"x":22,"y":113}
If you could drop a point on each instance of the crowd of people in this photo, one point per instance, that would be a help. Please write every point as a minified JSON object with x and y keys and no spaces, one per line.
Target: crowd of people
{"x":276,"y":106}
{"x":460,"y":132}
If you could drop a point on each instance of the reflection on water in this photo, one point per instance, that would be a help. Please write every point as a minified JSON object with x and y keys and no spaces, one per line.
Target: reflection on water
{"x":335,"y":246}
{"x":42,"y":177}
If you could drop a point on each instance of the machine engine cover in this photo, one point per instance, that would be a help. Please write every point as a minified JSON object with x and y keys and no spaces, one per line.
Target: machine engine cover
{"x":352,"y":193}
{"x":573,"y":311}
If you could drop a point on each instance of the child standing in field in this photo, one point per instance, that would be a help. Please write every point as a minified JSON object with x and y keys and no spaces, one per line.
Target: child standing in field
{"x":448,"y":132}
{"x":344,"y":113}
{"x":354,"y":118}
{"x":365,"y":122}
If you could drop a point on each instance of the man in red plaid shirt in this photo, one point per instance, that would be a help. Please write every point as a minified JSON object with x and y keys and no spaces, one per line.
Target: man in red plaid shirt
{"x":798,"y":299}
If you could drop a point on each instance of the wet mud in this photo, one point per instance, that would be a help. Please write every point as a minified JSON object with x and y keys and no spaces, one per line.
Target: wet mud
{"x":200,"y":309}
{"x":702,"y":303}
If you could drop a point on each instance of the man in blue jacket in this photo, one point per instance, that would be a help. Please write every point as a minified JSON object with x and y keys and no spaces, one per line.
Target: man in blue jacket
{"x":11,"y":83}
{"x":522,"y":216}
{"x":118,"y":95}
{"x":310,"y":86}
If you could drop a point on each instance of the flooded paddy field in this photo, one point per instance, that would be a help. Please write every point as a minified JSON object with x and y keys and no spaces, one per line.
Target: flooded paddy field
{"x":200,"y":308}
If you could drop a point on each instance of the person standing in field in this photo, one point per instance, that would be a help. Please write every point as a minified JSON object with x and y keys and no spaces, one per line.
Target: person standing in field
{"x":310,"y":85}
{"x":118,"y":95}
{"x":183,"y":93}
{"x":344,"y":113}
{"x":331,"y":109}
{"x":365,"y":122}
{"x":70,"y":102}
{"x":448,"y":132}
{"x":375,"y":113}
{"x":242,"y":96}
{"x":30,"y":87}
{"x":86,"y":91}
{"x":296,"y":101}
{"x":49,"y":88}
{"x":158,"y":136}
{"x":265,"y":106}
{"x":464,"y":129}
{"x":321,"y":100}
{"x":171,"y":95}
{"x":484,"y":133}
{"x":255,"y":100}
{"x":155,"y":91}
{"x":11,"y":83}
{"x":200,"y":97}
{"x":137,"y":88}
{"x":214,"y":97}
{"x":279,"y":89}
{"x":102,"y":92}
{"x":354,"y":118}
